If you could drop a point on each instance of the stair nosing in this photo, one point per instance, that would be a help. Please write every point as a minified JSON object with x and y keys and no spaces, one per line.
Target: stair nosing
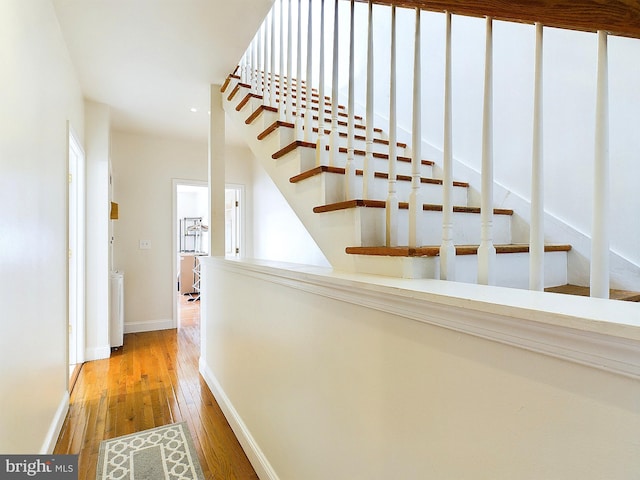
{"x":347,"y":204}
{"x":434,"y":250}
{"x":384,"y":175}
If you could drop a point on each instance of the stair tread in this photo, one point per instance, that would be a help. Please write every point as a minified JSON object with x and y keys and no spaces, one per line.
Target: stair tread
{"x":256,"y":113}
{"x":434,"y":250}
{"x":614,"y":294}
{"x":402,"y":205}
{"x":299,"y":143}
{"x":340,"y":171}
{"x":246,"y":99}
{"x":326,"y":111}
{"x":236,"y":89}
{"x":225,"y":85}
{"x":363,"y":138}
{"x":273,"y":127}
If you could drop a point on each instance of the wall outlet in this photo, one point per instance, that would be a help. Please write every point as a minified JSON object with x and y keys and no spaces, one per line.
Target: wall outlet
{"x":145,"y":244}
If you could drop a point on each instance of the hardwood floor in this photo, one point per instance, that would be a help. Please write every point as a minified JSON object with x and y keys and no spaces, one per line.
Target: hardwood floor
{"x":152,"y":380}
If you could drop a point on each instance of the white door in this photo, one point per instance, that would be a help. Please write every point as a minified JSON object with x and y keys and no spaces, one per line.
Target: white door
{"x":232,"y":199}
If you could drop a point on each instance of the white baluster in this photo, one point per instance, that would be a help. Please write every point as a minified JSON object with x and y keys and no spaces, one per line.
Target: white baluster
{"x":486,"y":250}
{"x":308,"y":114}
{"x":447,"y":249}
{"x":245,"y":68}
{"x":288,"y":98}
{"x":271,"y":98}
{"x":601,"y":188}
{"x":299,"y":119}
{"x":262,"y":59}
{"x":321,"y":143}
{"x":350,"y":170}
{"x":333,"y":139}
{"x":392,"y":197}
{"x":368,"y":172}
{"x":536,"y":234}
{"x":281,"y":82}
{"x":415,"y":201}
{"x":254,"y":64}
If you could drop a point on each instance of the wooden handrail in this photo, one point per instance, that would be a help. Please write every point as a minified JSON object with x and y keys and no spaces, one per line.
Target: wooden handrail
{"x":618,"y":17}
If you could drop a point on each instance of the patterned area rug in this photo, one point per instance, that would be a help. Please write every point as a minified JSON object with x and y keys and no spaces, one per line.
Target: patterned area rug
{"x":156,"y":454}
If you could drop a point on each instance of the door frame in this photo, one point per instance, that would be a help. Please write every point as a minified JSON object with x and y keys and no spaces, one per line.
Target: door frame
{"x":76,"y":247}
{"x":174,"y":230}
{"x":240,"y":229}
{"x":175,"y":182}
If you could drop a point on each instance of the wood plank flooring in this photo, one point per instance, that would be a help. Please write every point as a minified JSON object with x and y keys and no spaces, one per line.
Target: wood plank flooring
{"x":152,"y":380}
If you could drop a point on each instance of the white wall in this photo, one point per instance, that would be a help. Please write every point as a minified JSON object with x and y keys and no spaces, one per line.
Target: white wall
{"x":39,"y":94}
{"x":143,"y":169}
{"x":97,"y":152}
{"x":279,"y":233}
{"x":330,"y":386}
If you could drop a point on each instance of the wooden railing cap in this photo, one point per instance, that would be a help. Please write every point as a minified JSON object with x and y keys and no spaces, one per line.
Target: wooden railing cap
{"x":618,"y":17}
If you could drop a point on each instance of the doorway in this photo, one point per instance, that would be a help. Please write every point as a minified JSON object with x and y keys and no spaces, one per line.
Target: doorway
{"x":191,"y":241}
{"x":76,"y":245}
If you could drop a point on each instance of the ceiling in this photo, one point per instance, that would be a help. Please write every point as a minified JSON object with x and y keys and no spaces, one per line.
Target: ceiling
{"x":152,"y":61}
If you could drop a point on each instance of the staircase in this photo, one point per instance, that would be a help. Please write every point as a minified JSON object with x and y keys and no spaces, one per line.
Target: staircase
{"x":351,"y":231}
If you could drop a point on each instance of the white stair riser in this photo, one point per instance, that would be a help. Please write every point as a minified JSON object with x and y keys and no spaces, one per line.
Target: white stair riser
{"x":512,"y":269}
{"x":466,"y":227}
{"x":376,"y":147}
{"x":308,"y":158}
{"x":431,"y":193}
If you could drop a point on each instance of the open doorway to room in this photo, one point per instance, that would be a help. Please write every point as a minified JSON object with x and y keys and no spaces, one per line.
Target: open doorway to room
{"x":191,"y":241}
{"x":76,"y":239}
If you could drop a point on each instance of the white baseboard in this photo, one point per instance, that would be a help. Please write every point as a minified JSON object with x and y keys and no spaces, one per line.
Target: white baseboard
{"x":255,"y":455}
{"x":137,"y":327}
{"x":56,"y":426}
{"x":97,"y":353}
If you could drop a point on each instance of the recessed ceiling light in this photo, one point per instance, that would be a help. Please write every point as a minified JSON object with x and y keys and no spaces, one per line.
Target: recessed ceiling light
{"x":193,"y":109}
{"x":209,"y":112}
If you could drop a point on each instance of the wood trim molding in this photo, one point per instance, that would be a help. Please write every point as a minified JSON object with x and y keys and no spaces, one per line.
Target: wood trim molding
{"x":618,"y":17}
{"x":586,"y":331}
{"x":256,"y":456}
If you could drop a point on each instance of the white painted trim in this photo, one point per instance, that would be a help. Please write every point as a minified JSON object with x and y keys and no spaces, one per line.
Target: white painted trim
{"x":97,"y":353}
{"x":602,"y":334}
{"x":251,"y":448}
{"x":56,"y":425}
{"x":151,"y":326}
